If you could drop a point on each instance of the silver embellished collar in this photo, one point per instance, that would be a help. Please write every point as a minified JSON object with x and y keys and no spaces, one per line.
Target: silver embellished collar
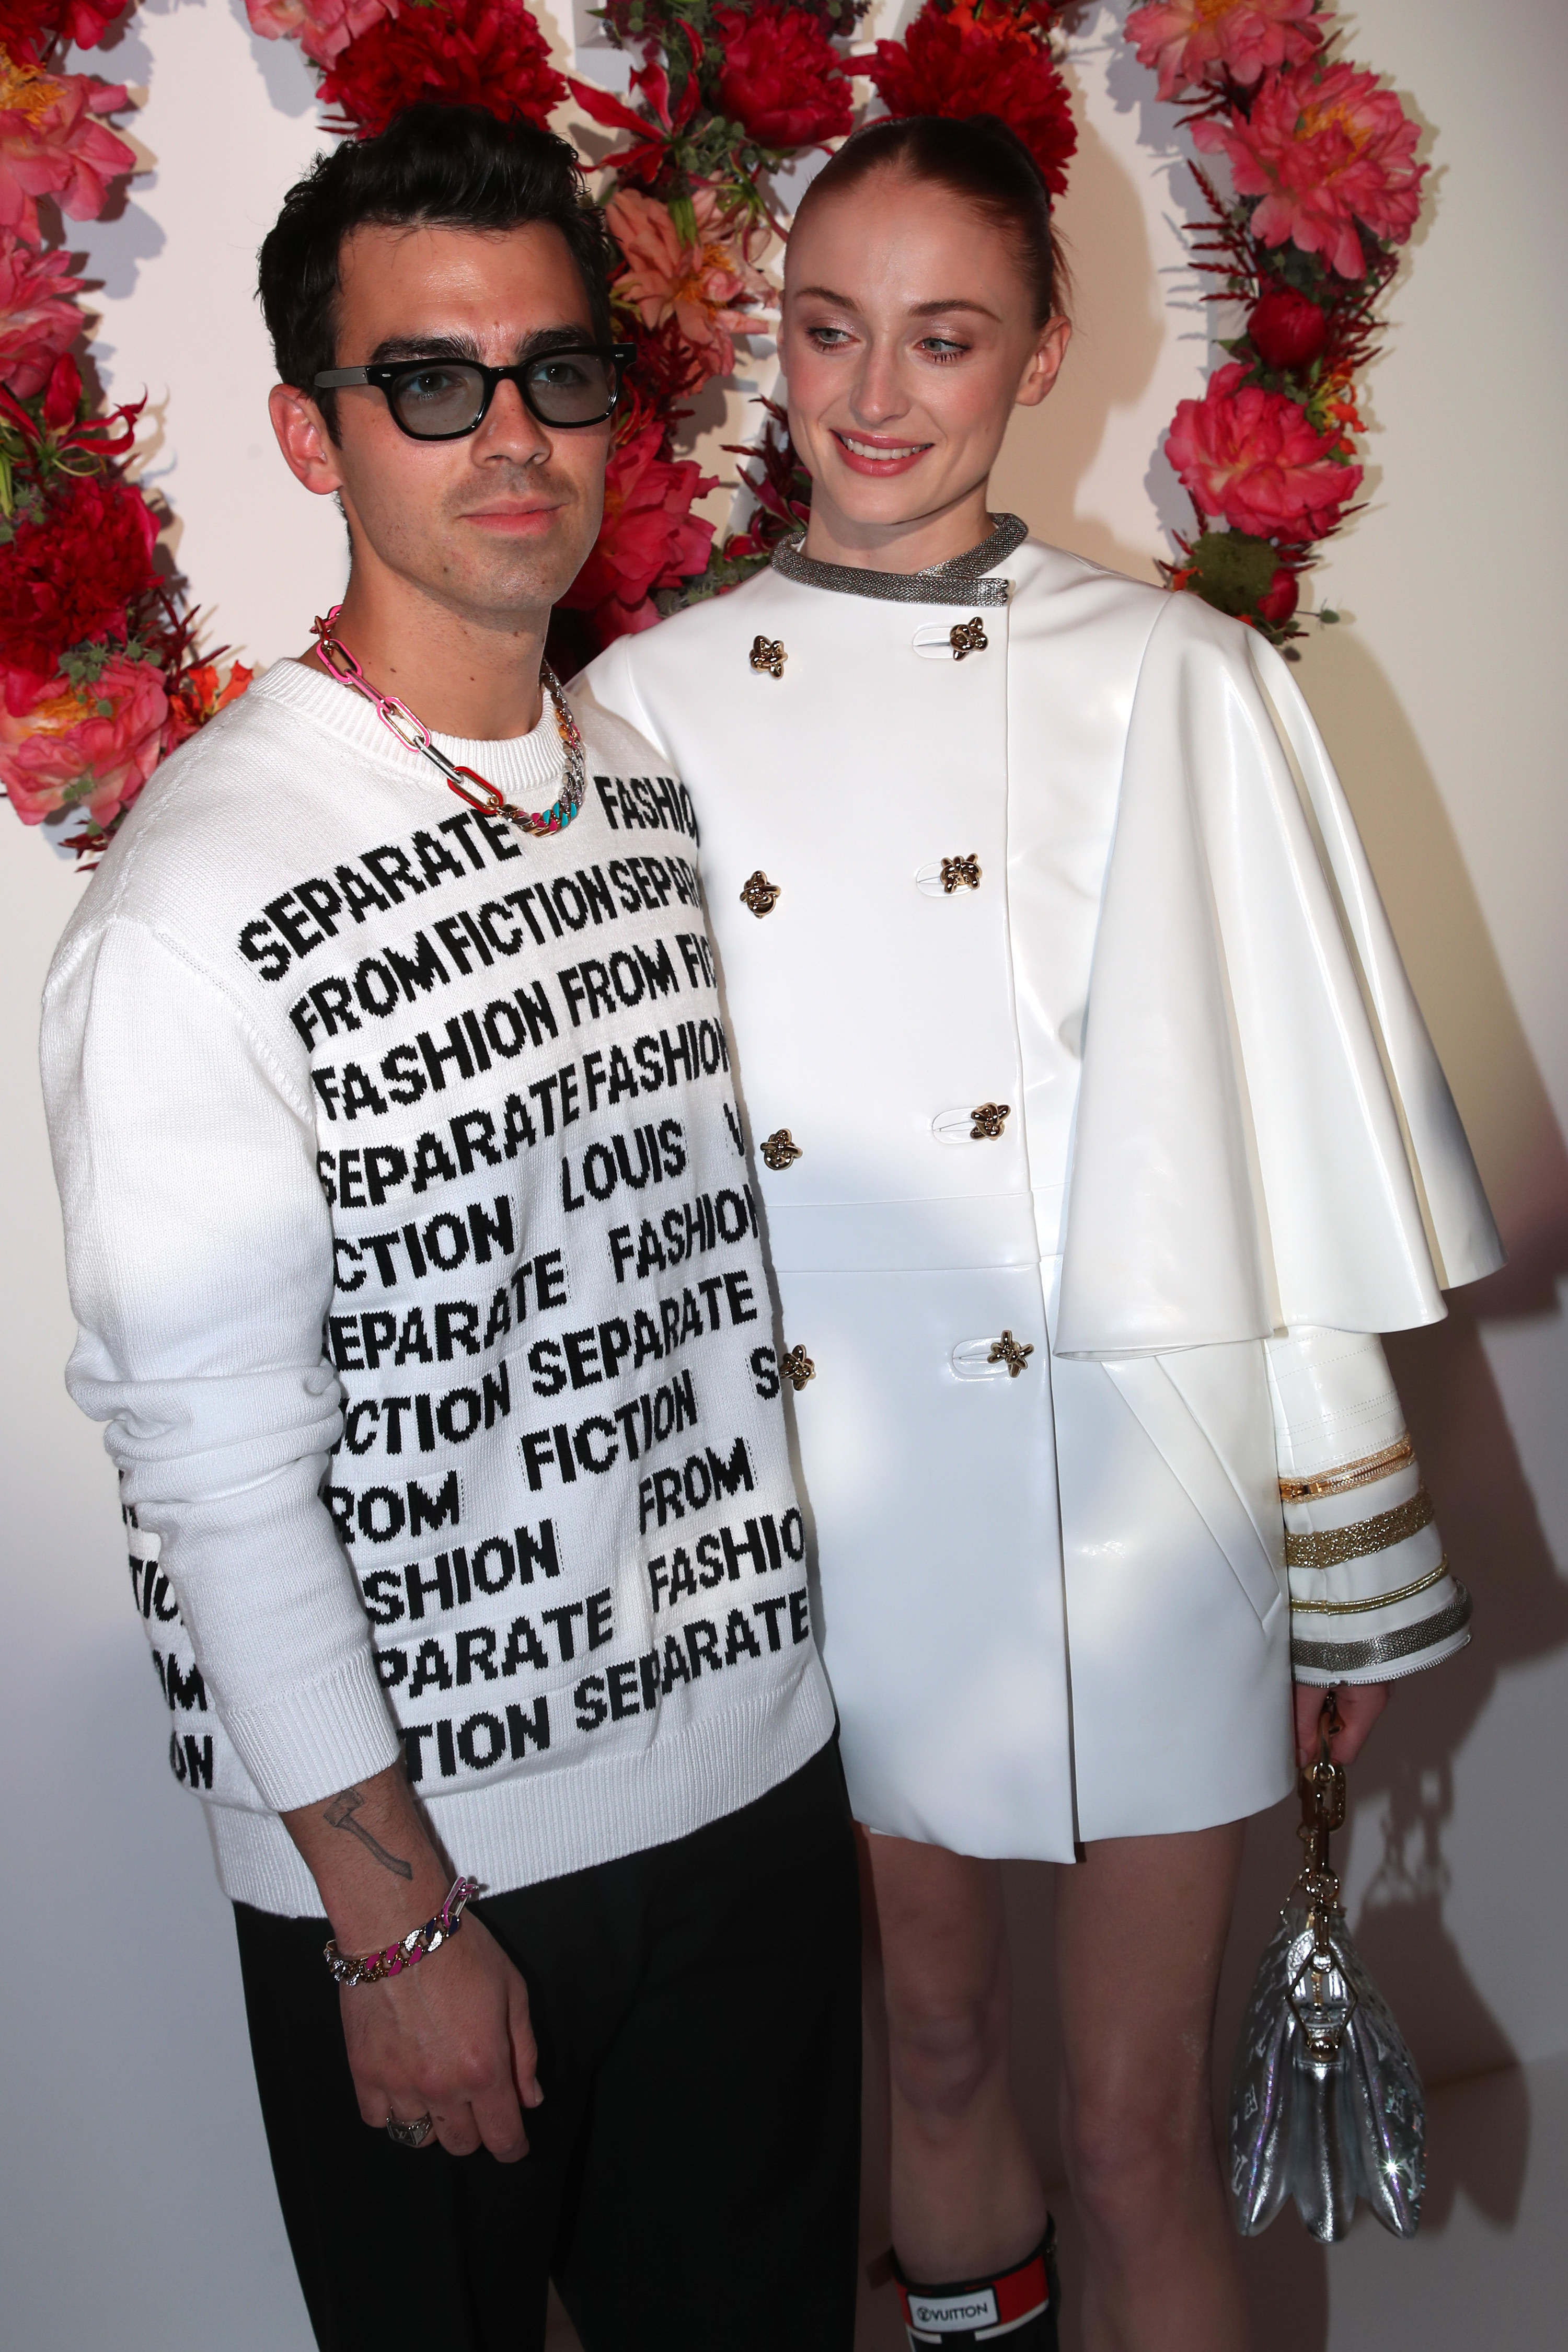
{"x":964,"y":581}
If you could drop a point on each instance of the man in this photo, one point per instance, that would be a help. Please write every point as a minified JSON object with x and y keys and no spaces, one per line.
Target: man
{"x":387,"y":1125}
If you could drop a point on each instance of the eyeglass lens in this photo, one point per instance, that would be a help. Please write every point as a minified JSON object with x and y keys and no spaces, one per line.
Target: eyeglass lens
{"x":562,"y":388}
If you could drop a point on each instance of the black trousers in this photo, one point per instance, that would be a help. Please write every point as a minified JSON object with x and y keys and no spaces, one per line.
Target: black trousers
{"x":693,"y":2177}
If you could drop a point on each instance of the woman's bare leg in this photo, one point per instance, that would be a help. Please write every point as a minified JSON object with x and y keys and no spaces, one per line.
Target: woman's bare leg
{"x":1140,"y":1932}
{"x":967,"y":2197}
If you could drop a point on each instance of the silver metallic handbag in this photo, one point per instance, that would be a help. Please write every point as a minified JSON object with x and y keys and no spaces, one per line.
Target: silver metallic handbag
{"x":1325,"y":2102}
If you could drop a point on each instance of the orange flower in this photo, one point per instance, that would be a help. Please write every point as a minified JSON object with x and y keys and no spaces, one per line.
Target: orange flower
{"x":707,"y":286}
{"x":197,"y":697}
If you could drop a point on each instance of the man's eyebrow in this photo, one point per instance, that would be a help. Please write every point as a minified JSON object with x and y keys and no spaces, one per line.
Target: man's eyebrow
{"x":393,"y":348}
{"x":424,"y":347}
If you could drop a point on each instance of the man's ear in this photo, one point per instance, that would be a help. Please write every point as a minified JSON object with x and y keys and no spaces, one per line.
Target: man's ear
{"x":308,"y":450}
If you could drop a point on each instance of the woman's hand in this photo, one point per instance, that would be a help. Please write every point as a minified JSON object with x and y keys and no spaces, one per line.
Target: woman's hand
{"x":1360,"y":1704}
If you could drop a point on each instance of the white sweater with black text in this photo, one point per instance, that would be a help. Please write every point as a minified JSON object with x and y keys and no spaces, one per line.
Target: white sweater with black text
{"x":412,"y":1242}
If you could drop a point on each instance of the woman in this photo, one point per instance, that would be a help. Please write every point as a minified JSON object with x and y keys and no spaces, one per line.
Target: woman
{"x":1099,"y":1131}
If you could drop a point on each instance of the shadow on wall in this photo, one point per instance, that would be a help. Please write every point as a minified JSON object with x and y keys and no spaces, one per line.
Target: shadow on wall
{"x":1119,"y":328}
{"x":1491,"y":1526}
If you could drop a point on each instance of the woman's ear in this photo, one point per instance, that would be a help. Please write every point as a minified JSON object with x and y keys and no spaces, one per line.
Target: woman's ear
{"x":1043,"y":362}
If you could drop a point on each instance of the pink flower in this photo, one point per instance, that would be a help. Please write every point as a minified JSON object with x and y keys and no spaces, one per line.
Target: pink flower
{"x":38,"y":319}
{"x":649,"y":538}
{"x":1250,"y":458}
{"x":94,"y":749}
{"x":322,"y":28}
{"x":50,"y":145}
{"x":1196,"y":41}
{"x":706,"y":287}
{"x":1324,"y":150}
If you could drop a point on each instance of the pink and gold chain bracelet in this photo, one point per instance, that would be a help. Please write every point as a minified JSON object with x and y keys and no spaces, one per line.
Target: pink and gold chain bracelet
{"x":374,"y":1967}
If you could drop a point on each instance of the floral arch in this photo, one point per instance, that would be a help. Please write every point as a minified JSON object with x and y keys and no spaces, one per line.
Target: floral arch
{"x":1310,"y":188}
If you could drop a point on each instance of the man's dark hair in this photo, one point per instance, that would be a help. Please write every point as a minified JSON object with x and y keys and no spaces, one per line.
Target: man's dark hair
{"x":451,"y":166}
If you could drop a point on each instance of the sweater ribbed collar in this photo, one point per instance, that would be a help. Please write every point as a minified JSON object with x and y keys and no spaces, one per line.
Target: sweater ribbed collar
{"x":525,"y":768}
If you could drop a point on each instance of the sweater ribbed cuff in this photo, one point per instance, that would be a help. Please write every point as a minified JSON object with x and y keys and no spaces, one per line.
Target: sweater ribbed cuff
{"x":317,"y":1738}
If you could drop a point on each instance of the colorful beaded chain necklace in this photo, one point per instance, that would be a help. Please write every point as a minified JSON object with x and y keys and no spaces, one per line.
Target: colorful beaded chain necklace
{"x":415,"y":736}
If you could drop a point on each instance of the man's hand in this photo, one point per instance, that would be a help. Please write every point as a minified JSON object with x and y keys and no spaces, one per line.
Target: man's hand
{"x":1360,"y":1704}
{"x":449,"y":2038}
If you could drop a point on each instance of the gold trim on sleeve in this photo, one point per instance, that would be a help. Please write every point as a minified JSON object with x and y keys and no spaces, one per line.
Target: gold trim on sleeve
{"x":1329,"y":1547}
{"x":1340,"y":1481}
{"x":1378,"y":1601}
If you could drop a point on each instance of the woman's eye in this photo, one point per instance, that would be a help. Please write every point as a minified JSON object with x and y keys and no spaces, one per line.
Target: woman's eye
{"x":940,"y":347}
{"x":827,"y":338}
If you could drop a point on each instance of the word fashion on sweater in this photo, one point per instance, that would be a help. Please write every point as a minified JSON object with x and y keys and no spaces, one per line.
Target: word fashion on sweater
{"x":414,"y":1250}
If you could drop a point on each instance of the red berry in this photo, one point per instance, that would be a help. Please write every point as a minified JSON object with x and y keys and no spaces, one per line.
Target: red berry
{"x":1279,"y":598}
{"x":1286,"y":331}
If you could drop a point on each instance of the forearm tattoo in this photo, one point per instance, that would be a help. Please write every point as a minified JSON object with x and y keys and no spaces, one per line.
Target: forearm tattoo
{"x":340,"y":1815}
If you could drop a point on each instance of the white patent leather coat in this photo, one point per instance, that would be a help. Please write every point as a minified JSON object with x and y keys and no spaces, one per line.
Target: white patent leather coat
{"x":1054,"y":1602}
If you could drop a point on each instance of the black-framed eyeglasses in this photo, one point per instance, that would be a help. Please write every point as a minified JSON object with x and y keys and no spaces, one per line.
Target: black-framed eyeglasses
{"x":442,"y":399}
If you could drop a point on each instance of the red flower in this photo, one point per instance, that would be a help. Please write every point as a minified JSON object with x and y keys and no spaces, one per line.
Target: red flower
{"x":781,"y":79}
{"x":50,"y":145}
{"x":654,"y":133}
{"x":72,"y":576}
{"x":1252,"y":458}
{"x":29,"y":28}
{"x":470,"y":52}
{"x":649,"y":538}
{"x":1324,"y":150}
{"x":1285,"y":329}
{"x":967,"y":61}
{"x":95,"y":746}
{"x":38,"y":319}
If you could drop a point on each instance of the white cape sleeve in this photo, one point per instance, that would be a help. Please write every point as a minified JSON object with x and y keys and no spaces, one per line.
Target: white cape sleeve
{"x":1265,"y":1137}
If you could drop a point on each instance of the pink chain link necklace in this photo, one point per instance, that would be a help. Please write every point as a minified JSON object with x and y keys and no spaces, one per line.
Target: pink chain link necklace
{"x":415,"y":736}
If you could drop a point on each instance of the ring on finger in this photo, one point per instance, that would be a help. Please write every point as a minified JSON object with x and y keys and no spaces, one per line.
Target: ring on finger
{"x":412,"y":2134}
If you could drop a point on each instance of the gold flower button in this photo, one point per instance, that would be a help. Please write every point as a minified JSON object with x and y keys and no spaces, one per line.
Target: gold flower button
{"x":761,"y":895}
{"x":768,"y":653}
{"x":797,"y":1369}
{"x":1006,"y":1350}
{"x":780,"y":1150}
{"x":960,"y":874}
{"x":964,"y":637}
{"x":990,"y":1119}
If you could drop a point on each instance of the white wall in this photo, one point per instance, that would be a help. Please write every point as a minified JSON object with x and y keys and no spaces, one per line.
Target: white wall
{"x":135,"y":2200}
